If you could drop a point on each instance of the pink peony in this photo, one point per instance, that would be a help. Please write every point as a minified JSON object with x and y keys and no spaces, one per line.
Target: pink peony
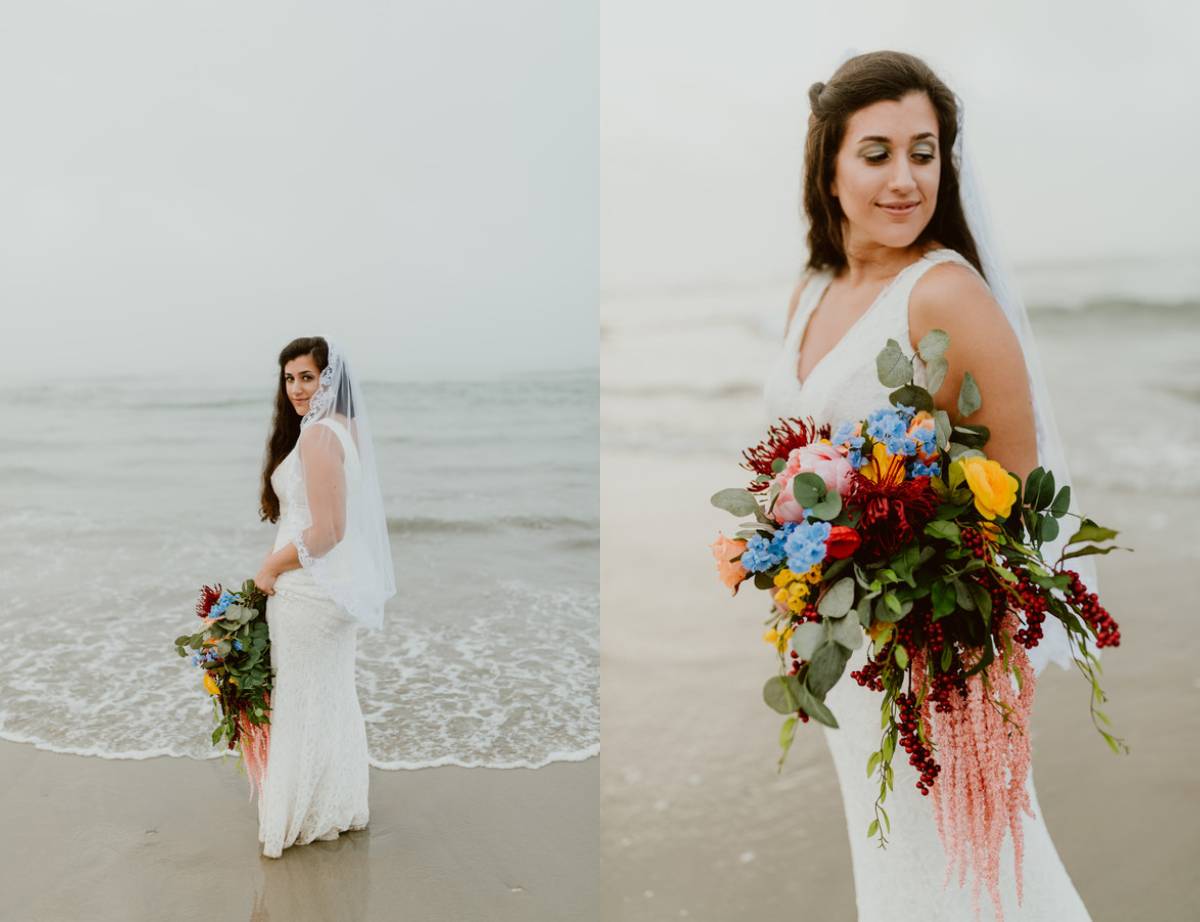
{"x":822,"y":459}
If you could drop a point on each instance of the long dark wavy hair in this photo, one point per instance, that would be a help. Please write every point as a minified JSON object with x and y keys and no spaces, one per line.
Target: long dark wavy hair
{"x":861,"y":81}
{"x":285,"y":431}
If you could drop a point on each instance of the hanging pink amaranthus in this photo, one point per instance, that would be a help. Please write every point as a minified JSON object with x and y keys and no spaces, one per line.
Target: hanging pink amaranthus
{"x":255,"y":740}
{"x":984,"y":749}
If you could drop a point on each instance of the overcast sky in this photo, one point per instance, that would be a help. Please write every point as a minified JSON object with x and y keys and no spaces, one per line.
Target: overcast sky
{"x":1084,"y":121}
{"x":192,"y":184}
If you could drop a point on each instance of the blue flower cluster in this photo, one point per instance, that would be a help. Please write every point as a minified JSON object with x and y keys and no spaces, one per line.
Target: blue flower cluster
{"x":889,"y":425}
{"x":219,"y":607}
{"x":762,"y":554}
{"x":206,"y":656}
{"x":919,"y":469}
{"x":844,"y":435}
{"x":805,"y":545}
{"x":237,"y":645}
{"x":926,"y":440}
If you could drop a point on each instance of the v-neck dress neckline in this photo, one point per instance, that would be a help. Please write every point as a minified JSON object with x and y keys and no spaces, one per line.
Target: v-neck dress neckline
{"x":796,"y":340}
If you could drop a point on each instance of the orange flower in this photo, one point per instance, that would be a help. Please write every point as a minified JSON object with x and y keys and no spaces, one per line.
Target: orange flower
{"x":731,"y":571}
{"x":923,"y":420}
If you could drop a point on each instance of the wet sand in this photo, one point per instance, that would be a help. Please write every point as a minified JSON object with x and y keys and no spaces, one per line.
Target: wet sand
{"x":98,"y":839}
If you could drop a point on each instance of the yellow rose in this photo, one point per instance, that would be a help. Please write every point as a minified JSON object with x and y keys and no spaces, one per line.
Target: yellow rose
{"x":210,"y":684}
{"x":994,"y":488}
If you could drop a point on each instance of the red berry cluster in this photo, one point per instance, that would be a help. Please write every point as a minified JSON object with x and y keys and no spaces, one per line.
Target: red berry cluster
{"x":803,"y":715}
{"x":943,"y":687}
{"x":1095,"y":614}
{"x":975,"y":542}
{"x":919,"y":756}
{"x":1033,"y":603}
{"x":868,"y":676}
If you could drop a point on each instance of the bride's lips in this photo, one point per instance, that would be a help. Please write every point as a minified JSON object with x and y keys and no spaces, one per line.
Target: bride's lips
{"x":900,"y":211}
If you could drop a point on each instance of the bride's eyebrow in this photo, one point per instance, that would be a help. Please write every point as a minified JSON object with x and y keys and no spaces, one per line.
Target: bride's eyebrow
{"x":879,"y":137}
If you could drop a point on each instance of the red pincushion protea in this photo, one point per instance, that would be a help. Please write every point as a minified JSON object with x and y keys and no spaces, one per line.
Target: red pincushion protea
{"x":208,"y":598}
{"x":893,"y":508}
{"x":781,"y":439}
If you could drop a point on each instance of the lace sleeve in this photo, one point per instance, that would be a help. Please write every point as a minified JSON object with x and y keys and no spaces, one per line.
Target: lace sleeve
{"x":322,"y":464}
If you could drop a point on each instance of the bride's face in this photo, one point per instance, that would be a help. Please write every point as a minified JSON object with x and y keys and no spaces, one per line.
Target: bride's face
{"x":889,"y":156}
{"x":301,"y":377}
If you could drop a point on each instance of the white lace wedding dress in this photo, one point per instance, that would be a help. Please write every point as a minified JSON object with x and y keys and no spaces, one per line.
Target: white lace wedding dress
{"x":903,"y":881}
{"x":317,"y":768}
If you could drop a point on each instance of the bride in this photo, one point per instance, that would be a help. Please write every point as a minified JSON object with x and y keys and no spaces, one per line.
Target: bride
{"x":893,"y":254}
{"x":329,"y":571}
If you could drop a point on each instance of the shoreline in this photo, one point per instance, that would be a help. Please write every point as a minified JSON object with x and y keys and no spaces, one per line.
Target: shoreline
{"x":581,"y":755}
{"x":121,"y":839}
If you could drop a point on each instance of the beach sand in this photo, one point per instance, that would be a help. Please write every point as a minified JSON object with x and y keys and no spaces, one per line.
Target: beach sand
{"x":166,"y":838}
{"x":696,"y":823}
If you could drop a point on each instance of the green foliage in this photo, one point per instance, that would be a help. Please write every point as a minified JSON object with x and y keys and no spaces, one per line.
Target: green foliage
{"x":933,"y":345}
{"x":735,"y":501}
{"x":809,"y":489}
{"x":780,"y":694}
{"x":828,"y":508}
{"x":893,"y":366}
{"x":838,"y":599}
{"x":912,"y":396}
{"x":826,"y":668}
{"x":969,"y":398}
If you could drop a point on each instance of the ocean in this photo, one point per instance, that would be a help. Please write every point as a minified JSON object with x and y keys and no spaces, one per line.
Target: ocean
{"x":120,"y":497}
{"x":683,"y":372}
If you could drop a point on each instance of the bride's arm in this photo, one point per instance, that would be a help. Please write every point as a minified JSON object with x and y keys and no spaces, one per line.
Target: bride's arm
{"x":325,"y":488}
{"x":951,"y":297}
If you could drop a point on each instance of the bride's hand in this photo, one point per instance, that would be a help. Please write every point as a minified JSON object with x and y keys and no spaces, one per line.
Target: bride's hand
{"x":265,"y":581}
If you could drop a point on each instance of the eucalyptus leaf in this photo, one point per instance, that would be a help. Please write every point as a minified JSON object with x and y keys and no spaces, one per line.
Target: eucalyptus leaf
{"x":809,"y":489}
{"x":958,"y":450}
{"x":816,"y":708}
{"x":912,"y":396}
{"x":735,"y":501}
{"x":1048,"y":530}
{"x":781,"y":696}
{"x":969,"y":398}
{"x":941,"y":424}
{"x":826,"y":668}
{"x":893,"y":366}
{"x":848,"y":632}
{"x":935,"y":374}
{"x":806,"y":638}
{"x":828,"y":508}
{"x":838,"y":599}
{"x":933,"y":345}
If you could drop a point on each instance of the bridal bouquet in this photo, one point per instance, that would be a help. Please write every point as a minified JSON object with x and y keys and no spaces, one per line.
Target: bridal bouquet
{"x":234,"y":649}
{"x":897,"y":530}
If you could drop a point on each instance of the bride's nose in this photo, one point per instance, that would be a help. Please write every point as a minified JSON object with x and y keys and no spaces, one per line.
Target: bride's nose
{"x":901,"y":178}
